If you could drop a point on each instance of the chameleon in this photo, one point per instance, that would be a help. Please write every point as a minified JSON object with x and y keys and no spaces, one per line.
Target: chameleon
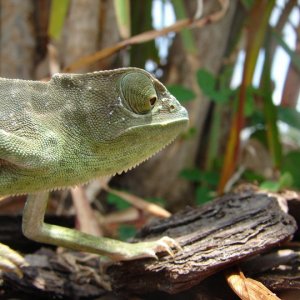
{"x":75,"y":128}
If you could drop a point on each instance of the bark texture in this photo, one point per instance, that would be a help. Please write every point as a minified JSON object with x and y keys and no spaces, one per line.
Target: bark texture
{"x":17,"y":39}
{"x":215,"y":236}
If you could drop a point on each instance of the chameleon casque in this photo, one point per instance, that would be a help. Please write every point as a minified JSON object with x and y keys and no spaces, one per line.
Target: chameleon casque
{"x":75,"y":128}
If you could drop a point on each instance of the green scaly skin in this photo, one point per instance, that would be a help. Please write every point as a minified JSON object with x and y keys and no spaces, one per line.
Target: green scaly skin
{"x":77,"y":127}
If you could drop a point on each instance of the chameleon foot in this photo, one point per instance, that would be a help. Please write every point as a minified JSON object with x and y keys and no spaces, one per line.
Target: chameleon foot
{"x":149,"y":249}
{"x":11,"y":261}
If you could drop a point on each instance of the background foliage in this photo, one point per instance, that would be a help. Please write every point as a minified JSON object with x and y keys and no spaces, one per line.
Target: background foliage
{"x":219,"y":63}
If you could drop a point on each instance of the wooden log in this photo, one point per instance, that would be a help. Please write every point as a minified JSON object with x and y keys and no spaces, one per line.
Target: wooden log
{"x":214,"y":236}
{"x":220,"y":234}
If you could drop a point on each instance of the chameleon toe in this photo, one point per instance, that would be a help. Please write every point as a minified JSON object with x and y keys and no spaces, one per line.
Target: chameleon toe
{"x":11,"y":261}
{"x":150,"y":249}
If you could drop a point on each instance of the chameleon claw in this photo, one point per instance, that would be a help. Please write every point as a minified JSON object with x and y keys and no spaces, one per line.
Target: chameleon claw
{"x":172,"y":243}
{"x":11,"y":261}
{"x":166,"y":244}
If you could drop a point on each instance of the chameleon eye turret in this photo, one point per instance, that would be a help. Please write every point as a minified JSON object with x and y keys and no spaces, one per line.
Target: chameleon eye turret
{"x":138,"y":92}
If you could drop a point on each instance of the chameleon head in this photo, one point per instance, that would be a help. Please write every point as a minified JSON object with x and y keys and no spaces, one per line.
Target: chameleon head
{"x":148,"y":118}
{"x":126,"y":116}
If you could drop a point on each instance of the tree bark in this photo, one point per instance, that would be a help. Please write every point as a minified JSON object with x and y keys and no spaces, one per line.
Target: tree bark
{"x":17,"y":39}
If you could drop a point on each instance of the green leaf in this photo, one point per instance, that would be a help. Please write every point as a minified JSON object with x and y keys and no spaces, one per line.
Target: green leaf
{"x":141,"y":21}
{"x":122,"y":11}
{"x":191,"y":174}
{"x":247,"y":3}
{"x":257,"y":118}
{"x":186,"y":34}
{"x":58,"y":14}
{"x":249,"y":103}
{"x":126,"y":232}
{"x":251,"y":176}
{"x":260,"y":134}
{"x":270,"y":114}
{"x":272,"y":186}
{"x":207,"y":82}
{"x":196,"y":175}
{"x":190,"y":133}
{"x":222,"y":96}
{"x":286,"y":180}
{"x":181,"y":93}
{"x":289,"y":116}
{"x":291,"y":165}
{"x":210,"y":177}
{"x":120,"y":203}
{"x":203,"y":195}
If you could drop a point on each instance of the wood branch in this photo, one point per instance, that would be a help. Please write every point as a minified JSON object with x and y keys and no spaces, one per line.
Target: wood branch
{"x":215,"y":236}
{"x":228,"y":231}
{"x":52,"y":275}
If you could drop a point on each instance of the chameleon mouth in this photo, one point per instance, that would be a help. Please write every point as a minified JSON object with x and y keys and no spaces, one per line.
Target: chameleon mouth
{"x":180,"y":122}
{"x":123,"y":171}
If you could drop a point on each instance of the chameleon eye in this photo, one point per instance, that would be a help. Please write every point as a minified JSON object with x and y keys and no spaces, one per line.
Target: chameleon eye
{"x":138,"y":92}
{"x":153,"y":101}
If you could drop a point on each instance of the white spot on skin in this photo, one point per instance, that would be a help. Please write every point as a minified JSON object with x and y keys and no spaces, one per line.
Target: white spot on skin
{"x":159,"y":108}
{"x":57,"y":75}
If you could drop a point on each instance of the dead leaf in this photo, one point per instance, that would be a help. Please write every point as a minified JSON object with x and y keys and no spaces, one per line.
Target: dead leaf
{"x":248,"y":288}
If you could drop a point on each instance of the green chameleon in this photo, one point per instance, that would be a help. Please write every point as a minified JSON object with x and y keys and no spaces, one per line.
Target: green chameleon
{"x":75,"y":128}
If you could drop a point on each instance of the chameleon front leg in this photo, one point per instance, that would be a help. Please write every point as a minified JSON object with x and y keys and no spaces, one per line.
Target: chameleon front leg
{"x":34,"y":228}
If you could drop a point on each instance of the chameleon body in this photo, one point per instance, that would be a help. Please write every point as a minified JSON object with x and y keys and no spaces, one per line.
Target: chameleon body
{"x":77,"y":127}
